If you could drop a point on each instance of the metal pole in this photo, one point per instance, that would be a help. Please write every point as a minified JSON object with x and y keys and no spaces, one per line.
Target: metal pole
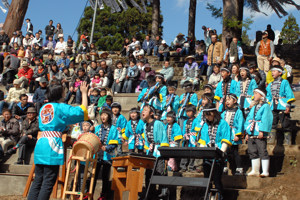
{"x":94,"y":19}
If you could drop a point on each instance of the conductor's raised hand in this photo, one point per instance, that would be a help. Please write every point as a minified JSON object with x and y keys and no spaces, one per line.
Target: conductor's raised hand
{"x":84,"y":87}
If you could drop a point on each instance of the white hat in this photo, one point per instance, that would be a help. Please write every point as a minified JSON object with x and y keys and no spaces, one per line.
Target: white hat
{"x":164,"y":42}
{"x":60,"y":35}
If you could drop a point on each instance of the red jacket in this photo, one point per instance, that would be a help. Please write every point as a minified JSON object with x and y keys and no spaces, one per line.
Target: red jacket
{"x":27,"y":73}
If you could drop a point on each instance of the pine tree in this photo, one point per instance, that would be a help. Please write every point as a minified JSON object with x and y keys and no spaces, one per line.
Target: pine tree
{"x":290,"y":31}
{"x":112,"y":28}
{"x":245,"y":38}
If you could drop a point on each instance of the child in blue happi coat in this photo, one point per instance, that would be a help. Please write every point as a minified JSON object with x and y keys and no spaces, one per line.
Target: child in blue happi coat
{"x":207,"y":98}
{"x":189,"y":132}
{"x":108,"y":135}
{"x":235,"y":119}
{"x":258,"y":125}
{"x":244,"y":90}
{"x":133,"y":131}
{"x":214,"y":133}
{"x":119,"y":121}
{"x":49,"y":151}
{"x":226,"y":86}
{"x":172,"y":102}
{"x":207,"y":89}
{"x":155,"y":136}
{"x":155,"y":94}
{"x":174,"y":134}
{"x":280,"y":96}
{"x":189,"y":97}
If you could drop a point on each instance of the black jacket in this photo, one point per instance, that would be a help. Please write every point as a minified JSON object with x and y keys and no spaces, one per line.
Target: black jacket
{"x":49,"y":30}
{"x":22,"y":112}
{"x":30,"y":128}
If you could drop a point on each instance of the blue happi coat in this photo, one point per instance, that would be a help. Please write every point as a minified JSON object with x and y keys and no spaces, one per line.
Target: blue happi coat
{"x":157,"y":101}
{"x":223,"y":134}
{"x":173,"y":107}
{"x":237,"y":128}
{"x":129,"y":135}
{"x":160,"y":137}
{"x":120,"y":125}
{"x":248,"y":93}
{"x":262,"y":121}
{"x":176,"y":134}
{"x":192,"y":134}
{"x":286,"y":95}
{"x":55,"y":117}
{"x":193,"y":100}
{"x":111,"y":142}
{"x":219,"y":93}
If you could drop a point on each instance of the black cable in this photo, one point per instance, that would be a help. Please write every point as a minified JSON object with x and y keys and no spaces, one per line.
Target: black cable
{"x":80,"y":18}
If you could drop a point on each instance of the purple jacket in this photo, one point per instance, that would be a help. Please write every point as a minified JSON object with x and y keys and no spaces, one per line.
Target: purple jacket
{"x":143,"y":74}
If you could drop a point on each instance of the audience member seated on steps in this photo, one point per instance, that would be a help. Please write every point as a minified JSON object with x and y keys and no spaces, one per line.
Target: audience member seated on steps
{"x":148,"y":45}
{"x":19,"y":110}
{"x":63,"y":61}
{"x":190,"y":71}
{"x":108,"y":72}
{"x":55,"y":74}
{"x":131,"y":77}
{"x":104,"y":57}
{"x":167,"y":71}
{"x":61,"y":45}
{"x":39,"y":97}
{"x":93,"y":69}
{"x":25,"y":74}
{"x":178,"y":42}
{"x":49,"y":45}
{"x":138,"y":51}
{"x":119,"y":76}
{"x":29,"y":132}
{"x":49,"y":61}
{"x":75,"y":85}
{"x":13,"y":96}
{"x":163,"y":51}
{"x":157,"y":43}
{"x":9,"y":130}
{"x":39,"y":72}
{"x":82,"y":52}
{"x":67,"y":77}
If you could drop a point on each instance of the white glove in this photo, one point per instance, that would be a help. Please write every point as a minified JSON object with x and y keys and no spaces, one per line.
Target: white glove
{"x":224,"y":147}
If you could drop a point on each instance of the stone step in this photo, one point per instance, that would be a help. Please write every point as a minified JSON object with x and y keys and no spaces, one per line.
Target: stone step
{"x":12,"y":184}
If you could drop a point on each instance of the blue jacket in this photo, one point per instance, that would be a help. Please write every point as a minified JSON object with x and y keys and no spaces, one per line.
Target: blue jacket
{"x":55,"y":117}
{"x":262,"y":120}
{"x":249,"y":93}
{"x":223,"y":135}
{"x":158,"y":102}
{"x":111,"y":142}
{"x":286,"y":95}
{"x":65,"y":61}
{"x":192,"y":134}
{"x":219,"y":92}
{"x":193,"y":100}
{"x":128,"y":135}
{"x":174,"y":106}
{"x":176,"y":134}
{"x":160,"y":137}
{"x":150,"y":46}
{"x":39,"y":95}
{"x":120,"y":126}
{"x":237,"y":128}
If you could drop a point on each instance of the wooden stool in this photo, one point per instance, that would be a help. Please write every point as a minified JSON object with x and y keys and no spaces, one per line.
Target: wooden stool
{"x":60,"y":179}
{"x":134,"y":166}
{"x":87,"y":159}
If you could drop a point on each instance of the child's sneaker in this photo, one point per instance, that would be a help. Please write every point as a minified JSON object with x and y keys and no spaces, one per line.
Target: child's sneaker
{"x":225,"y":171}
{"x":239,"y":172}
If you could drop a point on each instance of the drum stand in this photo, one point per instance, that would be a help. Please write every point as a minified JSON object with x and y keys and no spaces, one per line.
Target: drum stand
{"x":88,"y":159}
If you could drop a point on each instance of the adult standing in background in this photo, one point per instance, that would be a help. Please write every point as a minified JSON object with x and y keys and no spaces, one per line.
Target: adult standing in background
{"x":29,"y":26}
{"x":58,"y":31}
{"x":49,"y":30}
{"x":264,"y":52}
{"x":271,"y":34}
{"x":214,"y":53}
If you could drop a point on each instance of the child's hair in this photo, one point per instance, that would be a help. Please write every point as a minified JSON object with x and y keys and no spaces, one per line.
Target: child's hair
{"x":116,"y":105}
{"x":109,"y":97}
{"x":97,"y":74}
{"x":208,"y":86}
{"x":212,"y":108}
{"x":152,"y":109}
{"x":54,"y":92}
{"x":133,"y":61}
{"x":172,"y":114}
{"x":247,"y":70}
{"x":209,"y":96}
{"x":137,"y":110}
{"x":190,"y":107}
{"x":151,"y":79}
{"x":89,"y":122}
{"x":232,"y":96}
{"x":109,"y":113}
{"x":119,"y":62}
{"x":217,"y":65}
{"x":187,"y":84}
{"x":158,"y":113}
{"x":96,"y":90}
{"x":6,"y":110}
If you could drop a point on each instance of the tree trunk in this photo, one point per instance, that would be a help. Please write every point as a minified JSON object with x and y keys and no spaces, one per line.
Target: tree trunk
{"x":155,"y":18}
{"x":192,"y":19}
{"x":232,"y":9}
{"x":15,"y":16}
